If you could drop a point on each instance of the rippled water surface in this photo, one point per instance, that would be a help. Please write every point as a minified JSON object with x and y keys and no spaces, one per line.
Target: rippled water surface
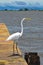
{"x":32,"y":39}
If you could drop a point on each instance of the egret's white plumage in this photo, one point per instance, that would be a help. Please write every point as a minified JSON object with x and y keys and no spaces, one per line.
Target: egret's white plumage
{"x":17,"y":35}
{"x":14,"y":36}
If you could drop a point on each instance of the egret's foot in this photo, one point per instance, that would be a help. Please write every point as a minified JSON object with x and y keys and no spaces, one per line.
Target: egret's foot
{"x":15,"y":55}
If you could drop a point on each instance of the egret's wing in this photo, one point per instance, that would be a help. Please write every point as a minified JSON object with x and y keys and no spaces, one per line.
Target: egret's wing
{"x":14,"y":36}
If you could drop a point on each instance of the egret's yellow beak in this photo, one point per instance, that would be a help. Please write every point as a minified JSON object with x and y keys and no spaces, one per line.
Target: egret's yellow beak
{"x":28,"y":18}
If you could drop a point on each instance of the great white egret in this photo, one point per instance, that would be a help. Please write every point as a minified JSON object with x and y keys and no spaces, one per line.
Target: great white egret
{"x":17,"y":35}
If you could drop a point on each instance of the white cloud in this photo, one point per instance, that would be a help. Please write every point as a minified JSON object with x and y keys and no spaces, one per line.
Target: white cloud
{"x":9,"y":1}
{"x":6,"y":1}
{"x":27,"y":1}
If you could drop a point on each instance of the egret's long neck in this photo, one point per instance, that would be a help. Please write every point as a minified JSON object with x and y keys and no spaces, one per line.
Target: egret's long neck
{"x":22,"y":26}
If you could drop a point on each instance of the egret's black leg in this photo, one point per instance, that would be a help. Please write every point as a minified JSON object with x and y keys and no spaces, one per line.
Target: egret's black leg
{"x":15,"y":54}
{"x":16,"y":47}
{"x":13,"y":48}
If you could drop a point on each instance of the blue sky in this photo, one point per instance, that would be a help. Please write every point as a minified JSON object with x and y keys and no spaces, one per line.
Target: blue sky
{"x":21,"y":3}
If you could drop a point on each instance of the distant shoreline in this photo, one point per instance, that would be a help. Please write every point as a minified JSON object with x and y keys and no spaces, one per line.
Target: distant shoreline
{"x":21,"y":10}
